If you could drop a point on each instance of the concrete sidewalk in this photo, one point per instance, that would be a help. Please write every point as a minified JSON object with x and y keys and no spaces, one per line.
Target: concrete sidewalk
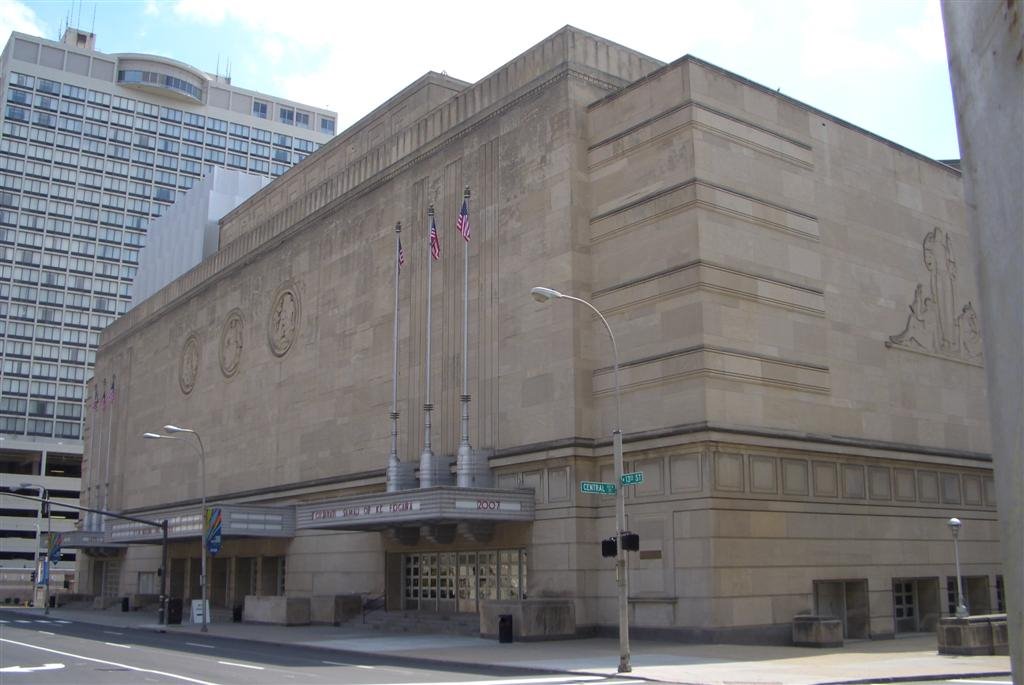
{"x":913,"y":657}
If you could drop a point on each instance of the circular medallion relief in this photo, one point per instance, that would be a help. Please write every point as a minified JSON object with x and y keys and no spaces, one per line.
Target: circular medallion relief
{"x":283,"y":322}
{"x":231,"y":343}
{"x":189,"y":367}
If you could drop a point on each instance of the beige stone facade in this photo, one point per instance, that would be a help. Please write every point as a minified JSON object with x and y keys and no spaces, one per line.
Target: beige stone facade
{"x":791,"y":296}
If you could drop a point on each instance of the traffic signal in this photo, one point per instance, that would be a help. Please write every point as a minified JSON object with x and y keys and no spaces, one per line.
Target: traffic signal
{"x":33,"y":577}
{"x":630,"y":542}
{"x":609,"y":547}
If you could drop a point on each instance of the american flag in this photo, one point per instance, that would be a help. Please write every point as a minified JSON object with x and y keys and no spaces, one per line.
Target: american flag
{"x":435,"y":242}
{"x":401,"y":254}
{"x":463,"y":223}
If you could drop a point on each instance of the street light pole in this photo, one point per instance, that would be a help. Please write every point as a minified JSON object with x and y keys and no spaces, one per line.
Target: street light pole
{"x":203,"y":584}
{"x":543,"y":295}
{"x":954,"y":527}
{"x":44,"y":498}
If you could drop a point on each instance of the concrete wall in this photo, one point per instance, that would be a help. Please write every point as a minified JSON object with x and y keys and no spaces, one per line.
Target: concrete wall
{"x":985,"y":42}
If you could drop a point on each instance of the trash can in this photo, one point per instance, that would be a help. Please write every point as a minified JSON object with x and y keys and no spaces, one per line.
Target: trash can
{"x":505,"y":628}
{"x":174,"y":611}
{"x":236,"y":613}
{"x":126,"y":604}
{"x":53,"y":601}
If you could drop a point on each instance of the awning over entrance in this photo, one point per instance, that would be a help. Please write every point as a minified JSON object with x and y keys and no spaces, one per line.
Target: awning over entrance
{"x":183,"y":523}
{"x":416,"y":507}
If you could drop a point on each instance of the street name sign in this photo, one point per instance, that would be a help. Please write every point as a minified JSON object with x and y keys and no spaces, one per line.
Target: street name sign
{"x":591,"y":488}
{"x":634,"y":478}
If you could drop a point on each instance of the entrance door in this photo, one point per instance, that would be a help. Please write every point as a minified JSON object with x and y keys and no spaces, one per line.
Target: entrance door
{"x":457,"y":581}
{"x":218,"y":582}
{"x":904,"y":606}
{"x":245,"y":579}
{"x":466,"y":587}
{"x":846,"y":600}
{"x":447,"y":571}
{"x":915,"y":604}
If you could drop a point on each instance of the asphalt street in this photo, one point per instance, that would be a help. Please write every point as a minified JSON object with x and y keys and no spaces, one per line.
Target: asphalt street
{"x":40,"y":651}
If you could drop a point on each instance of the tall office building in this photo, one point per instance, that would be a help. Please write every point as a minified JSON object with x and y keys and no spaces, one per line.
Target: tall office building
{"x":93,"y":147}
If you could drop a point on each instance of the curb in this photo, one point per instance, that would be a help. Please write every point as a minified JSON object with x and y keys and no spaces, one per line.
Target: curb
{"x":914,"y":679}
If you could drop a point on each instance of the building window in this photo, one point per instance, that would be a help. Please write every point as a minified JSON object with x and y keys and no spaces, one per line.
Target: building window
{"x":327,"y":125}
{"x":286,"y":115}
{"x":302,"y":119}
{"x":259,"y":109}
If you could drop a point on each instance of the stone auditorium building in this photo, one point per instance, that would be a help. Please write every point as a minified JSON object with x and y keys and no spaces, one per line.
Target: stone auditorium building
{"x":802,"y":381}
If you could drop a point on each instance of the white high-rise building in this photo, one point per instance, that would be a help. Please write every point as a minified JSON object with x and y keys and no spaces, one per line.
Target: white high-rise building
{"x":94,"y":146}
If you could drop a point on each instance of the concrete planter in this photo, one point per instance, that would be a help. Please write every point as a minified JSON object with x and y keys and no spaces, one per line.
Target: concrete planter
{"x":817,"y":631}
{"x":286,"y":611}
{"x":974,"y":635}
{"x":532,"y":619}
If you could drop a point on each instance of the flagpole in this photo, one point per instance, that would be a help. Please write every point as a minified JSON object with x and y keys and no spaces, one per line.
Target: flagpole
{"x":393,"y":460}
{"x":465,"y":449}
{"x":106,"y":467}
{"x":427,"y":456}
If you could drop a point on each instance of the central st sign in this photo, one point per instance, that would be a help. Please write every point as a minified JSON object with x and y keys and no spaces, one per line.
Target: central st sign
{"x":596,"y":488}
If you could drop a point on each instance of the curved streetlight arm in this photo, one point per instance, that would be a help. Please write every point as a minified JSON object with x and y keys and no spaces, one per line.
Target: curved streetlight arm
{"x":615,"y":356}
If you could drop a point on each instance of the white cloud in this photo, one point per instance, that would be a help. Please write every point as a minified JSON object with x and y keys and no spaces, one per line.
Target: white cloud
{"x":151,"y":8}
{"x":16,"y":16}
{"x":350,"y":57}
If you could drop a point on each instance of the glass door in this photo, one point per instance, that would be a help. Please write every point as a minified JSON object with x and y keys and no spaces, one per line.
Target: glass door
{"x":446,"y":574}
{"x":466,"y":587}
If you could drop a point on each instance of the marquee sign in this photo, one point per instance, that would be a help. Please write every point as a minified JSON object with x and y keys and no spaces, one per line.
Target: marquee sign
{"x":440,"y":504}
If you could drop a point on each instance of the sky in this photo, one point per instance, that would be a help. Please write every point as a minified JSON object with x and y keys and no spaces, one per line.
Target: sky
{"x":878,"y":64}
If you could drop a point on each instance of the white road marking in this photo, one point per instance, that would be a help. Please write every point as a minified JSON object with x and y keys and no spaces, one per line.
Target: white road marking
{"x":29,"y":669}
{"x":60,"y":621}
{"x":114,"y":644}
{"x":336,"y":663}
{"x":43,"y":632}
{"x":232,"y":663}
{"x":530,"y":680}
{"x":984,"y":682}
{"x":43,"y":620}
{"x":18,"y":620}
{"x":364,"y":666}
{"x":4,"y":620}
{"x":112,"y":632}
{"x":197,"y":644}
{"x":109,"y":663}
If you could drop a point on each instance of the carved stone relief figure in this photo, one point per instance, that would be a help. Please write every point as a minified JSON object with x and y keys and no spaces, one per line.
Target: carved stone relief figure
{"x":231,"y":343}
{"x":970,"y":333}
{"x":935,"y":324}
{"x":189,"y":369}
{"x":283,"y":322}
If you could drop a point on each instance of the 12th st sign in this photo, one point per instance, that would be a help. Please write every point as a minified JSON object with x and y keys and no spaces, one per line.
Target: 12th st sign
{"x":591,"y":488}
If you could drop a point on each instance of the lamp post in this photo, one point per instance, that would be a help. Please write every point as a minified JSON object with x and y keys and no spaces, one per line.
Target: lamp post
{"x":44,"y":504}
{"x":202,"y":518}
{"x":542,"y":294}
{"x":954,"y":527}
